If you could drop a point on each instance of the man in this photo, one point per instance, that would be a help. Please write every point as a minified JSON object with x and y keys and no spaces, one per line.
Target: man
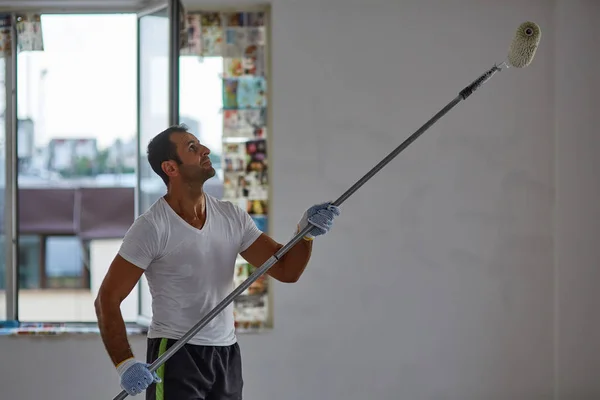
{"x":186,"y":243}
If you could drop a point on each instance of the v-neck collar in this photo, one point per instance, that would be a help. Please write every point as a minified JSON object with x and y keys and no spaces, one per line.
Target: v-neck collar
{"x":183,"y":221}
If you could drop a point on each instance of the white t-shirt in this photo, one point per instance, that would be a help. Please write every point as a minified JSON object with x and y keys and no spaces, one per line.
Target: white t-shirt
{"x":190,"y":270}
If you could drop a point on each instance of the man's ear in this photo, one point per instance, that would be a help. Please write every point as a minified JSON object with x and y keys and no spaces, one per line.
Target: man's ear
{"x":170,"y":168}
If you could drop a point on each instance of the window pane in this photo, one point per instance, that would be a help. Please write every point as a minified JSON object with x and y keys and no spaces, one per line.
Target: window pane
{"x":154,"y":115}
{"x":64,"y":264}
{"x":77,"y":159}
{"x":154,"y":97}
{"x":29,"y":262}
{"x":201,"y":110}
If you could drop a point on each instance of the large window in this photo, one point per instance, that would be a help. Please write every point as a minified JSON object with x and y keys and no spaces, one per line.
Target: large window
{"x":92,"y":90}
{"x":76,"y":160}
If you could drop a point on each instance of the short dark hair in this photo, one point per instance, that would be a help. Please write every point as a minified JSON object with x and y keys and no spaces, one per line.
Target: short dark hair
{"x":161,"y":149}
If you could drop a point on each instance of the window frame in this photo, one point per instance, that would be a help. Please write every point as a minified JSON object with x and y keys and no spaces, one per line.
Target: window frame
{"x":11,"y":237}
{"x":11,"y":192}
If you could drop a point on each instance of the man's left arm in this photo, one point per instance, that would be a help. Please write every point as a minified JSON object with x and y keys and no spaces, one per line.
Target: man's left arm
{"x":292,"y":264}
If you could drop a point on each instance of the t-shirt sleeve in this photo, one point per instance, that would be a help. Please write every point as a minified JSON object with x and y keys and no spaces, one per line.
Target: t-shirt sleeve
{"x":250,"y":231}
{"x":140,"y":244}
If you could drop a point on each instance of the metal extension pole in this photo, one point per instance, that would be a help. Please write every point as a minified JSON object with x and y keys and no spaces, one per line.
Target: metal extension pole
{"x":466,"y":92}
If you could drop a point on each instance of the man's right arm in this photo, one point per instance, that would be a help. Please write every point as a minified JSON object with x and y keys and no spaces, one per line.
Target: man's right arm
{"x":118,"y":283}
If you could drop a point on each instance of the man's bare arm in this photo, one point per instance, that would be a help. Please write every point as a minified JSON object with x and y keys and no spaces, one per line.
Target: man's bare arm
{"x":289,"y":268}
{"x":118,"y":283}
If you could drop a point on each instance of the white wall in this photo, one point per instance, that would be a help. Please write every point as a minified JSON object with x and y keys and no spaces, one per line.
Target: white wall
{"x":578,"y":198}
{"x":440,"y":285}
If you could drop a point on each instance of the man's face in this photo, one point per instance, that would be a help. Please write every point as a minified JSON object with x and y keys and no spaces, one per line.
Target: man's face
{"x":195,"y":165}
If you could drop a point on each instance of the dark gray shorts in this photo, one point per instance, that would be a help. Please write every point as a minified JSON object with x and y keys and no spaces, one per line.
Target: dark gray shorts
{"x":196,"y":372}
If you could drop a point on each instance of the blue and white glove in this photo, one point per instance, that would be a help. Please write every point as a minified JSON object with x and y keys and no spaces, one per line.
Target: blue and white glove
{"x":321,"y":216}
{"x":136,"y":376}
